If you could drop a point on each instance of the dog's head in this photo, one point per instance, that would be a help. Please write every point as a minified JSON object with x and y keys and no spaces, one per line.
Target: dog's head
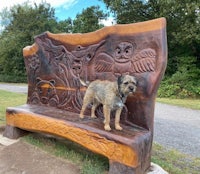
{"x":127,"y":84}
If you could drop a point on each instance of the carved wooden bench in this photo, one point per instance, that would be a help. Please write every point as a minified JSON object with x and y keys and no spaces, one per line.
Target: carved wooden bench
{"x":54,"y":64}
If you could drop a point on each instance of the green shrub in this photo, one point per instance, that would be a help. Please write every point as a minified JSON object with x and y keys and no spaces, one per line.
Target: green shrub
{"x":185,"y":83}
{"x":13,"y":79}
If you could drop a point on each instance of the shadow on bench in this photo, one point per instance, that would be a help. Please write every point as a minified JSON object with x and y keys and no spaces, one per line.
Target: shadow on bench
{"x":54,"y":64}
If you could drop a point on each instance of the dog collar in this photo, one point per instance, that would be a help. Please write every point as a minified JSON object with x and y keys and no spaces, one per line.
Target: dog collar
{"x":121,"y":96}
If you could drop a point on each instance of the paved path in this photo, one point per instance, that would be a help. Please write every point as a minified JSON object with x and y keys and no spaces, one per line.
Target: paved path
{"x":175,"y":127}
{"x":178,"y":128}
{"x":24,"y":158}
{"x":14,"y":88}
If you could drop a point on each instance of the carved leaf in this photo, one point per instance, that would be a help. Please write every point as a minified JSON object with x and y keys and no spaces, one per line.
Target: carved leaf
{"x":104,"y":63}
{"x":144,"y":61}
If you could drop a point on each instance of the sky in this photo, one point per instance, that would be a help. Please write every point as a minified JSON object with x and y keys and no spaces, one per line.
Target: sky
{"x":63,"y":8}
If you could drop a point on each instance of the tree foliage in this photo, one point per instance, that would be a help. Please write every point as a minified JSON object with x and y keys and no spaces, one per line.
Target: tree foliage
{"x":185,"y":82}
{"x":65,"y":25}
{"x":183,"y":20}
{"x":25,"y":22}
{"x":88,"y":20}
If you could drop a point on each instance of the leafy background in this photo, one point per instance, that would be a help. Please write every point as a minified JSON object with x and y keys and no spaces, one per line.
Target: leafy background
{"x":23,"y":22}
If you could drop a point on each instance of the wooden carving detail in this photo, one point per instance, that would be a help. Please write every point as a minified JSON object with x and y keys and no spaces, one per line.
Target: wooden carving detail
{"x":124,"y":61}
{"x":54,"y":64}
{"x":54,"y":70}
{"x":45,"y":93}
{"x":54,"y":74}
{"x":93,"y":141}
{"x":144,"y":61}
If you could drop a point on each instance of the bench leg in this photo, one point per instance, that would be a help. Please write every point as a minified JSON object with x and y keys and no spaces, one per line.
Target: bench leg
{"x":13,"y":132}
{"x":118,"y":168}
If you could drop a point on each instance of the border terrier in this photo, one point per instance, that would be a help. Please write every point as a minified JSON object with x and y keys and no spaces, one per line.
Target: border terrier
{"x":112,"y":95}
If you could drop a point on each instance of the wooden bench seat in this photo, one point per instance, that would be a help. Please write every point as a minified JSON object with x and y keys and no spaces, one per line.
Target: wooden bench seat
{"x":54,"y":64}
{"x":117,"y":146}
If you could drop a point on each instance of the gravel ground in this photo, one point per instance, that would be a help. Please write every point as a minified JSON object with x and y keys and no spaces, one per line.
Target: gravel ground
{"x":178,"y":128}
{"x":174,"y":127}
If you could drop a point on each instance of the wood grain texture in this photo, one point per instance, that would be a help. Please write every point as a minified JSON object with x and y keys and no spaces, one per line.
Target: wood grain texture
{"x":92,"y":37}
{"x":56,"y":62}
{"x":92,"y":141}
{"x":30,"y":50}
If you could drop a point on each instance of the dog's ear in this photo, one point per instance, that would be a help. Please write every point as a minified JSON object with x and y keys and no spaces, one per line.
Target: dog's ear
{"x":120,"y":80}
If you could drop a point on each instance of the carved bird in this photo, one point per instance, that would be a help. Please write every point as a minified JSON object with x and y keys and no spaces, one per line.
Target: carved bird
{"x":124,"y":61}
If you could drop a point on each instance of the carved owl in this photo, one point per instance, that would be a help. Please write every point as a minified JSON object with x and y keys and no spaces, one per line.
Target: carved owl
{"x":123,"y":52}
{"x":126,"y":59}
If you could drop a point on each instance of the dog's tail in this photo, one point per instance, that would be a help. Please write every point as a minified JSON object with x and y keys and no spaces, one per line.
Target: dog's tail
{"x":86,"y":84}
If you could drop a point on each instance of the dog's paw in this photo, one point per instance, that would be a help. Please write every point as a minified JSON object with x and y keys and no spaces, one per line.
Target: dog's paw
{"x":93,"y":116}
{"x":118,"y":127}
{"x":107,"y":128}
{"x":81,"y":116}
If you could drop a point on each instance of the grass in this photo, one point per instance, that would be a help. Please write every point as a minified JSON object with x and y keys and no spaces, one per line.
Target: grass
{"x":187,"y":103}
{"x":171,"y":160}
{"x":9,"y":99}
{"x":175,"y":162}
{"x":88,"y":162}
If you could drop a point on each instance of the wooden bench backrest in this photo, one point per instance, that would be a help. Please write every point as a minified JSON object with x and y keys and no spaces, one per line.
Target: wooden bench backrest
{"x":55,"y":62}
